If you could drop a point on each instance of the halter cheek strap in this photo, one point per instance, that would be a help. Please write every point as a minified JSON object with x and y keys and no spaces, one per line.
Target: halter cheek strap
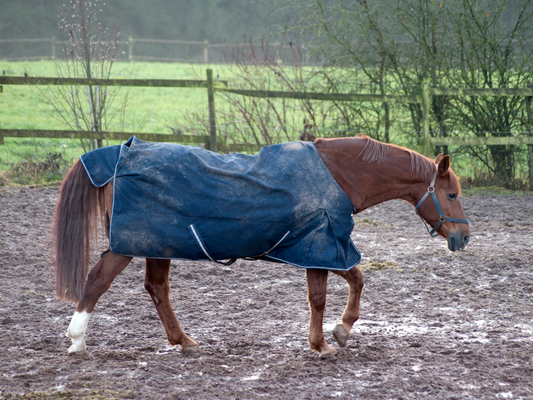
{"x":442,"y":217}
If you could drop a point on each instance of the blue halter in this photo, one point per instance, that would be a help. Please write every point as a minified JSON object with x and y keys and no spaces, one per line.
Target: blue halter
{"x":442,"y":217}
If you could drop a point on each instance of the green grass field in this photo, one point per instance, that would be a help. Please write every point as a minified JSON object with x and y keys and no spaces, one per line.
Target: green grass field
{"x":156,"y":107}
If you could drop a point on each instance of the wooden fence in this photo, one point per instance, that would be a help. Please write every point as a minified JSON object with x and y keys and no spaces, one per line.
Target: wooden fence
{"x":53,"y":43}
{"x":209,"y":141}
{"x":423,"y":98}
{"x":205,"y":44}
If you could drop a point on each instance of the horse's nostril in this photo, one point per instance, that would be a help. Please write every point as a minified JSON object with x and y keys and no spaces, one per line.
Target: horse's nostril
{"x":466,"y":239}
{"x":451,"y":244}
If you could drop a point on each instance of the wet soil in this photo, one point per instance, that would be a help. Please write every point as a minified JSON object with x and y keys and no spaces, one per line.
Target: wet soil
{"x":434,"y":324}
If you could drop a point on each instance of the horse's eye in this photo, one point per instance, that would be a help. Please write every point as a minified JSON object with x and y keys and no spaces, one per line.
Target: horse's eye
{"x":452,"y":196}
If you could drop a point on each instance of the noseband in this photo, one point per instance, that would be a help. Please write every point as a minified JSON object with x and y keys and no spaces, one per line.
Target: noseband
{"x":442,"y":217}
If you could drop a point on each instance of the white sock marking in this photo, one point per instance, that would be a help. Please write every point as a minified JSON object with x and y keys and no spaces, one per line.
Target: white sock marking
{"x":76,"y":331}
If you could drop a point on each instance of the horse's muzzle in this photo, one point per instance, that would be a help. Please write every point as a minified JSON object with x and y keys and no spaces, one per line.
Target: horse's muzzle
{"x":457,"y":241}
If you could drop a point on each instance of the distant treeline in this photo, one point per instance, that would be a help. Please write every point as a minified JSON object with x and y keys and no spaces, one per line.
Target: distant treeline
{"x":217,"y":21}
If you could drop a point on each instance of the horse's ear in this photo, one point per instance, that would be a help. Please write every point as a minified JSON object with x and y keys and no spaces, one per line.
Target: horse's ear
{"x":443,"y":165}
{"x":439,"y":157}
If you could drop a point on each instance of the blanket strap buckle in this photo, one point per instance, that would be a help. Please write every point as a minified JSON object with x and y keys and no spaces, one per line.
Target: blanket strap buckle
{"x":269,"y":250}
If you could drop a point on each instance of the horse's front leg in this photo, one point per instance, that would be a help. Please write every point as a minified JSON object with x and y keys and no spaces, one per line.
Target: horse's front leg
{"x":317,"y":281}
{"x":157,"y":284}
{"x":355,"y":281}
{"x":98,"y":281}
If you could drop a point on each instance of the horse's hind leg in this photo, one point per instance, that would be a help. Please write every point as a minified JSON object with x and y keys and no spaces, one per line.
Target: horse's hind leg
{"x":98,"y":281}
{"x":355,"y":281}
{"x":317,"y":280}
{"x":157,"y":284}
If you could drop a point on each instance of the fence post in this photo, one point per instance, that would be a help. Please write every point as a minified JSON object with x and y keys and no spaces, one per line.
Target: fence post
{"x":529,"y":146}
{"x":1,"y":137}
{"x":206,"y":51}
{"x":53,"y":47}
{"x":425,"y":120}
{"x":211,"y":102}
{"x":130,"y":48}
{"x":530,"y":159}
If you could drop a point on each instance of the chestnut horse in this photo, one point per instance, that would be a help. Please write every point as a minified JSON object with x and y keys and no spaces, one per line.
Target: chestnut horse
{"x":369,"y":172}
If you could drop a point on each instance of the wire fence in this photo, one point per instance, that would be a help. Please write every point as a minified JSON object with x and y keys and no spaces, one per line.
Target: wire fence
{"x":133,"y":49}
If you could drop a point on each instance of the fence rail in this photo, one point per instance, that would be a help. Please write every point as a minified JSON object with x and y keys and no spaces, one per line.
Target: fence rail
{"x":481,"y":92}
{"x":176,"y":83}
{"x":323,"y":96}
{"x":35,"y":40}
{"x":102,"y":135}
{"x":481,"y":141}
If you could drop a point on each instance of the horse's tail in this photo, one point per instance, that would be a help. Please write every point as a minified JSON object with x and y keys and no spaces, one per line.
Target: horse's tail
{"x":74,"y":231}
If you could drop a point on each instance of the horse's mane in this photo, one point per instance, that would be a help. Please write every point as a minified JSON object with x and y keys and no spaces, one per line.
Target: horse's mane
{"x":374,"y":151}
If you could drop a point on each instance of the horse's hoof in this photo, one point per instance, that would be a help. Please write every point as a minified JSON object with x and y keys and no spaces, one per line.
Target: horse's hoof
{"x":192,"y":351}
{"x":78,"y":346}
{"x":327,"y":352}
{"x":340,"y":335}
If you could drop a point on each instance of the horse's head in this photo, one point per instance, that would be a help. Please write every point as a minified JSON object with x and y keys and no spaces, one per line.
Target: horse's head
{"x":441,"y":208}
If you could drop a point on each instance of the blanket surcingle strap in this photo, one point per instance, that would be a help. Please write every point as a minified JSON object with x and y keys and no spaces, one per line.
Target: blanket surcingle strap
{"x":184,"y":202}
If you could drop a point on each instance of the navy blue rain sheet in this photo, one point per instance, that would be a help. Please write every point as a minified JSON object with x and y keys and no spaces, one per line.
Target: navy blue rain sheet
{"x":184,"y":202}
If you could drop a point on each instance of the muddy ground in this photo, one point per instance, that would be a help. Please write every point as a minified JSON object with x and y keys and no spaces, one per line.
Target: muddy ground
{"x":434,"y":324}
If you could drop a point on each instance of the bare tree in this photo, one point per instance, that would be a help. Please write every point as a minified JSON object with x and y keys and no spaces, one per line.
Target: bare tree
{"x":397,"y":45}
{"x":89,"y":51}
{"x":493,"y":51}
{"x":279,"y":67}
{"x":407,"y":43}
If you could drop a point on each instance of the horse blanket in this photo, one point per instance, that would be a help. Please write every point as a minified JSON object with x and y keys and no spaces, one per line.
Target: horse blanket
{"x":184,"y":202}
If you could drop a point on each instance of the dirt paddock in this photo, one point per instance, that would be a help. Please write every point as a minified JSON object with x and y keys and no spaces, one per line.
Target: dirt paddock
{"x":434,"y":324}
